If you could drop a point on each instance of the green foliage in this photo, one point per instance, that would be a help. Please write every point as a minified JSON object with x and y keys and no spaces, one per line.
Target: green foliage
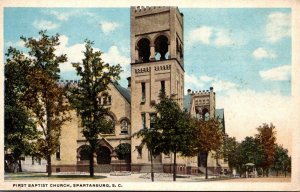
{"x":281,"y":159}
{"x":123,"y":151}
{"x":250,"y":151}
{"x":43,"y":98}
{"x":95,"y":77}
{"x":175,"y":128}
{"x":230,"y":146}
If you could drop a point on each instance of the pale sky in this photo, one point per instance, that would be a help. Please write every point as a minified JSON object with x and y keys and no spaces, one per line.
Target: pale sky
{"x":245,"y":54}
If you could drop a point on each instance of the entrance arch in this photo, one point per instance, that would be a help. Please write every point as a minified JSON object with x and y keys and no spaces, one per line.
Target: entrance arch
{"x":103,"y":155}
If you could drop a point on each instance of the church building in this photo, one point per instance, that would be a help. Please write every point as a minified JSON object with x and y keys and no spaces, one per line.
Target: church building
{"x":157,"y":64}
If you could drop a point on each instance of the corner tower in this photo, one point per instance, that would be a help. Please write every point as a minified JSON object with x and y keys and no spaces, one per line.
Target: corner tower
{"x":156,"y":65}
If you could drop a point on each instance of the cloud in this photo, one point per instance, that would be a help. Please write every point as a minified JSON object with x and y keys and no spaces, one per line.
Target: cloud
{"x":108,"y":27}
{"x":281,"y":73}
{"x":245,"y":110}
{"x":206,"y":78}
{"x":222,"y":85}
{"x":210,"y":36}
{"x":45,"y":24}
{"x":201,"y":35}
{"x":114,"y":57}
{"x":204,"y":82}
{"x":75,"y":54}
{"x":261,"y":53}
{"x":62,"y":16}
{"x":223,"y":38}
{"x":278,"y":26}
{"x":65,"y":15}
{"x":19,"y":44}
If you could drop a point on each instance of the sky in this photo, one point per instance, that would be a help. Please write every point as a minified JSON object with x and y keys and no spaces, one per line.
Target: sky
{"x":245,"y":54}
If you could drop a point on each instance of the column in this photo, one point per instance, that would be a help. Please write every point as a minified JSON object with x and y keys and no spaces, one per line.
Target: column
{"x":152,"y":52}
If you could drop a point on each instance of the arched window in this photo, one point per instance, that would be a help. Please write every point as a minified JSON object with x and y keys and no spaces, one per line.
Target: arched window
{"x":205,"y":114}
{"x":124,"y":126}
{"x":144,"y":49}
{"x":84,"y":153}
{"x":161,"y":47}
{"x":110,"y":125}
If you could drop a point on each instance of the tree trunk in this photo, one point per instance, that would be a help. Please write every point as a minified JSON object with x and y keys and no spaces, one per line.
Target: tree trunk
{"x":284,"y":172}
{"x":206,"y":174}
{"x":174,"y":167}
{"x":152,"y":171}
{"x":91,"y":166}
{"x":20,"y":166}
{"x":267,"y":172}
{"x":277,"y":172}
{"x":49,"y":166}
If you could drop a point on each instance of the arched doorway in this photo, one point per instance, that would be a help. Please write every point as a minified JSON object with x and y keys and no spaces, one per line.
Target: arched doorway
{"x":103,"y":155}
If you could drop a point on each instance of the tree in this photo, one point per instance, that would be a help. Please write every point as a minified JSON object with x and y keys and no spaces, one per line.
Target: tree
{"x":267,"y":138}
{"x":19,"y":130}
{"x":281,"y":159}
{"x":208,"y":137}
{"x":43,"y":97}
{"x":95,"y":77}
{"x":152,"y":138}
{"x":229,"y":149}
{"x":249,"y":151}
{"x":175,"y":127}
{"x":123,"y":151}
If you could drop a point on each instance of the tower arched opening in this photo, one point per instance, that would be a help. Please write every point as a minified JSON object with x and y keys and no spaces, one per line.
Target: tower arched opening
{"x":161,"y":47}
{"x":143,"y":47}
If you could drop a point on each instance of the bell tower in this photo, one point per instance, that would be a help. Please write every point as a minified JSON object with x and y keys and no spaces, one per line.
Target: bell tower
{"x":156,"y":65}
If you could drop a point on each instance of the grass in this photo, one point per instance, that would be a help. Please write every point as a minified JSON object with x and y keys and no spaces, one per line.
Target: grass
{"x":43,"y":176}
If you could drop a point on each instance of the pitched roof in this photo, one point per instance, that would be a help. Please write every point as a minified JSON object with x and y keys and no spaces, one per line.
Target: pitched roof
{"x":123,"y":91}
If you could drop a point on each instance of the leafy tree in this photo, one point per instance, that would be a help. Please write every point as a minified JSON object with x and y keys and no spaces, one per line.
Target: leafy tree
{"x":43,"y":96}
{"x":152,"y":138}
{"x":267,"y":138}
{"x":123,"y":151}
{"x":281,"y":159}
{"x":19,"y":130}
{"x":229,"y":149}
{"x":249,"y":151}
{"x":175,"y":127}
{"x":208,"y":137}
{"x":95,"y":77}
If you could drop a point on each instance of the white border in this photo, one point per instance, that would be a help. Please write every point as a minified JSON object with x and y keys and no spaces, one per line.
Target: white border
{"x":294,"y":185}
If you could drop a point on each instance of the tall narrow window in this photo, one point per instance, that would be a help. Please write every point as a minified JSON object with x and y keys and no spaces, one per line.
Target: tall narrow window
{"x":32,"y":160}
{"x":143,"y":92}
{"x":58,"y":153}
{"x":124,"y":126}
{"x":162,"y":87}
{"x":152,"y":120}
{"x":143,"y":120}
{"x":109,"y":100}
